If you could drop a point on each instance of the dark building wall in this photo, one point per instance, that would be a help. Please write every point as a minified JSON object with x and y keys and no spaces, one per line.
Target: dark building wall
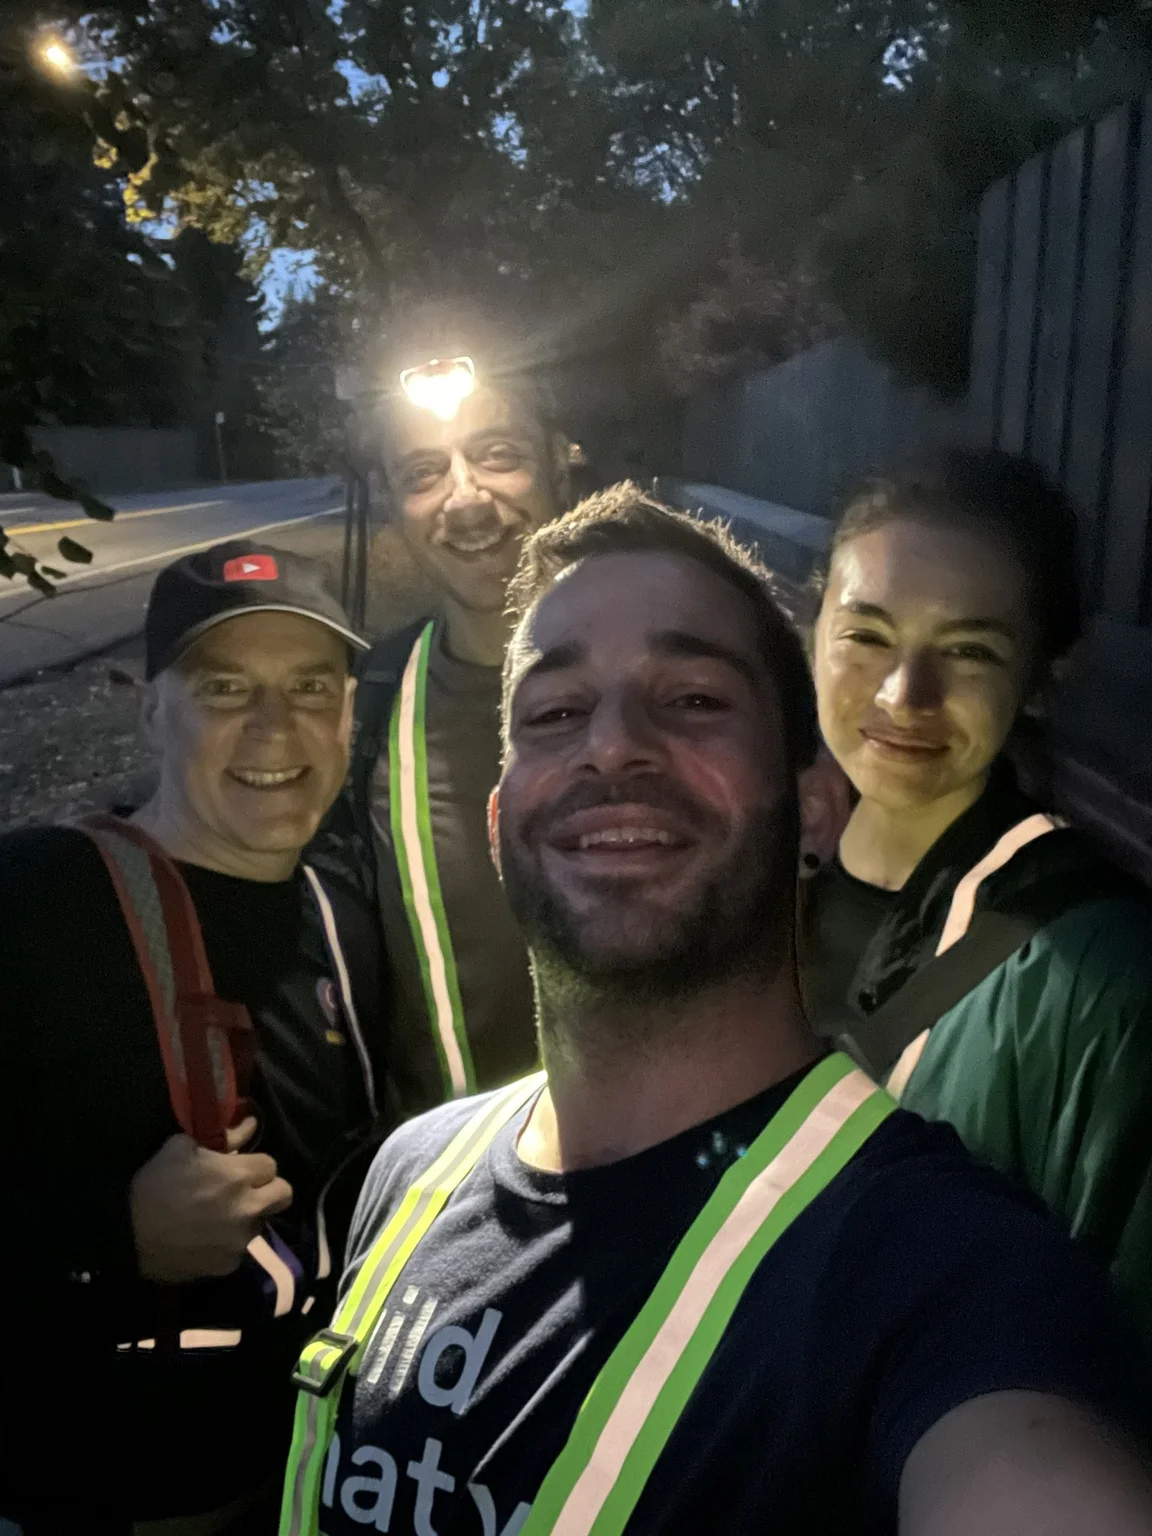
{"x":800,"y":433}
{"x":122,"y":458}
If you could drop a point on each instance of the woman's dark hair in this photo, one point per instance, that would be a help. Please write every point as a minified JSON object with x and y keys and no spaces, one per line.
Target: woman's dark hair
{"x":623,"y":520}
{"x":1008,"y":499}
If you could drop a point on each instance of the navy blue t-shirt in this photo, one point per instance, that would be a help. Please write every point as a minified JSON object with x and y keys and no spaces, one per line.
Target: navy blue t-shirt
{"x":917,"y":1281}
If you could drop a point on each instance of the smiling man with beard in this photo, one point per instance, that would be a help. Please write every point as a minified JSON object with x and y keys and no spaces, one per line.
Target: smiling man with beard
{"x":410,"y":831}
{"x":699,"y":1276}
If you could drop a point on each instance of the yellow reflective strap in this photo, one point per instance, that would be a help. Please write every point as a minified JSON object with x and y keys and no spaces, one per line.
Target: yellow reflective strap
{"x":415,"y":851}
{"x":357,"y":1314}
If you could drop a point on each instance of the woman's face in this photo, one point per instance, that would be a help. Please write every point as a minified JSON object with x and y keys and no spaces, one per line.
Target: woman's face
{"x":925,"y":650}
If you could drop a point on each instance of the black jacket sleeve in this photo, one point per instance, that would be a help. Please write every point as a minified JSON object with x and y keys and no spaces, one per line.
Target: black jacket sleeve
{"x":67,"y":1228}
{"x":64,"y":1049}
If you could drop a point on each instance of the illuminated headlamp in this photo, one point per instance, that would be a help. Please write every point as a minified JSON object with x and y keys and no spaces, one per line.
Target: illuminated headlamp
{"x":440,"y":386}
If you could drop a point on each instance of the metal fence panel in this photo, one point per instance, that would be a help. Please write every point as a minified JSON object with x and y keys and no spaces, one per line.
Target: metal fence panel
{"x":1125,"y":524}
{"x":1023,"y":286}
{"x":993,"y":269}
{"x":1057,"y":305}
{"x":1092,"y":375}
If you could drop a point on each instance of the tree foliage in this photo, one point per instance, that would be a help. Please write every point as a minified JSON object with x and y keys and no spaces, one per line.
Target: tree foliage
{"x":749,"y":318}
{"x":296,"y":386}
{"x":592,"y":171}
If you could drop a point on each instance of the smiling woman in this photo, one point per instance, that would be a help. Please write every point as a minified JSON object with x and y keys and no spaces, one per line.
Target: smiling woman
{"x":964,"y":946}
{"x":950,"y":596}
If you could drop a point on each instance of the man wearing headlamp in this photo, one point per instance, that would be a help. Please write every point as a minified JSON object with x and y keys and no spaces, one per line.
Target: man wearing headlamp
{"x":472,"y":467}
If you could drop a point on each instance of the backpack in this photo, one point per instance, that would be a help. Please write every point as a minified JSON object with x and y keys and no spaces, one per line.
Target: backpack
{"x":344,"y":848}
{"x":207,"y":1043}
{"x":976,"y":941}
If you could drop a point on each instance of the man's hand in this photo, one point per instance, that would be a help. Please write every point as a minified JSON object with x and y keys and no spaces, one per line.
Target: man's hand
{"x":194,"y":1212}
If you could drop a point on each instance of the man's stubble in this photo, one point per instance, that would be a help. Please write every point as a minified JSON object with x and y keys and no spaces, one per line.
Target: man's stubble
{"x":738,"y":929}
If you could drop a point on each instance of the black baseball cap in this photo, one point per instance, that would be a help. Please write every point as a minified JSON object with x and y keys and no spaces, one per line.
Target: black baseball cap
{"x":202,"y":590}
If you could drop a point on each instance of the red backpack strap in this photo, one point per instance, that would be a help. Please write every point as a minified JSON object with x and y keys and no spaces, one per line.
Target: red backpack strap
{"x":207,"y":1043}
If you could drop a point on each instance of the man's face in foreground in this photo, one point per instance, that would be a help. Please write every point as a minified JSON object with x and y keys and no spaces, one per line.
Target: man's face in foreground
{"x":642,"y":820}
{"x":469,"y":491}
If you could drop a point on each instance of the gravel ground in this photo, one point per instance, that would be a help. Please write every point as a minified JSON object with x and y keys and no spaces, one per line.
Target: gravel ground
{"x":71,"y":742}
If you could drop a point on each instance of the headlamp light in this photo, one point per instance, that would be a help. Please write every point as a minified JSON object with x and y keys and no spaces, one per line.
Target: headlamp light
{"x":440,"y":386}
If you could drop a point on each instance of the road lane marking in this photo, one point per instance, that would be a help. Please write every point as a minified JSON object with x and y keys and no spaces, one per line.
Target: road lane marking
{"x":160,"y":556}
{"x":21,"y":530}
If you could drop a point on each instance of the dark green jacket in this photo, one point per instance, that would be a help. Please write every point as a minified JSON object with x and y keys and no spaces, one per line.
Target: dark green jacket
{"x":1045,"y":1069}
{"x":1045,"y":1066}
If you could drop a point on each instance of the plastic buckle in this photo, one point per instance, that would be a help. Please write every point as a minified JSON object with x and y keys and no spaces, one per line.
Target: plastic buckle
{"x":205,"y":1011}
{"x":333,"y":1370}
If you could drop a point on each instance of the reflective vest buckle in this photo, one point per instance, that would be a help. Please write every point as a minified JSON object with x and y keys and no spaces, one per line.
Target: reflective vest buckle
{"x":325,"y":1359}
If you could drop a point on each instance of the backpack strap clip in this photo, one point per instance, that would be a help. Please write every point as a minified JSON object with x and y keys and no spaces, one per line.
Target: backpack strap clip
{"x":325,"y":1359}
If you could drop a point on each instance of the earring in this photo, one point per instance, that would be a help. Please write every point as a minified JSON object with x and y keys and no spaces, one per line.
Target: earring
{"x":811,"y":862}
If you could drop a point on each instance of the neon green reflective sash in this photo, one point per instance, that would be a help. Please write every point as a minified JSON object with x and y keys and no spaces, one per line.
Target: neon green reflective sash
{"x":336,"y":1351}
{"x":635,"y":1402}
{"x":639,"y":1395}
{"x":419,"y":877}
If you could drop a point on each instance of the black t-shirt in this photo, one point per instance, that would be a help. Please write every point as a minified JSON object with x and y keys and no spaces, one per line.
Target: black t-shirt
{"x":462,"y":740}
{"x":842,"y":917}
{"x":85,"y":1106}
{"x":916,"y":1282}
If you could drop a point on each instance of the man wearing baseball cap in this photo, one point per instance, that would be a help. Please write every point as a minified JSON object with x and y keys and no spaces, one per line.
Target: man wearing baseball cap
{"x":155,"y":1288}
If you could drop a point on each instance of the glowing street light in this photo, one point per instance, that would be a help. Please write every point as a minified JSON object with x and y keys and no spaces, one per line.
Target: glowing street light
{"x":58,"y":57}
{"x":440,"y":386}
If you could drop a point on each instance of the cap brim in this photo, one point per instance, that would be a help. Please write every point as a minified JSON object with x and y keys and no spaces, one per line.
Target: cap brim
{"x":192,"y":635}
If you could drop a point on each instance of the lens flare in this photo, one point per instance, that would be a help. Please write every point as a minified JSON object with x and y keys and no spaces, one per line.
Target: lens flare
{"x":440,"y":386}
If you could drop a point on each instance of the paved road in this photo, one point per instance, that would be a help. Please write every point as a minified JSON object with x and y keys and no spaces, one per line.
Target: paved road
{"x":99,"y":604}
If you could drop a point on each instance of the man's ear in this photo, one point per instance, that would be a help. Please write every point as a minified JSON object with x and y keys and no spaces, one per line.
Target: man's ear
{"x":825,"y":806}
{"x":494,"y":829}
{"x":150,"y":710}
{"x":348,"y":713}
{"x":1053,"y":676}
{"x":561,"y":473}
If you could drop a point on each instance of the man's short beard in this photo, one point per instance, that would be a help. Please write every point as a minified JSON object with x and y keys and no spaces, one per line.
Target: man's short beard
{"x":741,"y":926}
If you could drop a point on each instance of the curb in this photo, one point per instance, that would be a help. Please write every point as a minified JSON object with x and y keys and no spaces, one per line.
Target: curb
{"x":63,"y":668}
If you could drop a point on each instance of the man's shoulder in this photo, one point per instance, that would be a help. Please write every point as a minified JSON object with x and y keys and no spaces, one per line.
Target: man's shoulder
{"x":377,"y":683}
{"x":44,"y":854}
{"x":385,"y":661}
{"x":409,"y":1152}
{"x":917,"y":1221}
{"x":915,"y":1174}
{"x":930,"y":1281}
{"x":1089,"y":966}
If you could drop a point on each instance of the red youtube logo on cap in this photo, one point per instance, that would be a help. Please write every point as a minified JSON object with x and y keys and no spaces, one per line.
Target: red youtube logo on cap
{"x":251,"y":568}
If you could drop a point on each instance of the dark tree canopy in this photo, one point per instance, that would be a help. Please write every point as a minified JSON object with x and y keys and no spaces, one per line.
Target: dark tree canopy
{"x":591,"y":172}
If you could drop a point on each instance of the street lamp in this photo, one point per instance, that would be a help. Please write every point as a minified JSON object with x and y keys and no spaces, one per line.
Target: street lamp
{"x":440,"y":386}
{"x":58,"y":57}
